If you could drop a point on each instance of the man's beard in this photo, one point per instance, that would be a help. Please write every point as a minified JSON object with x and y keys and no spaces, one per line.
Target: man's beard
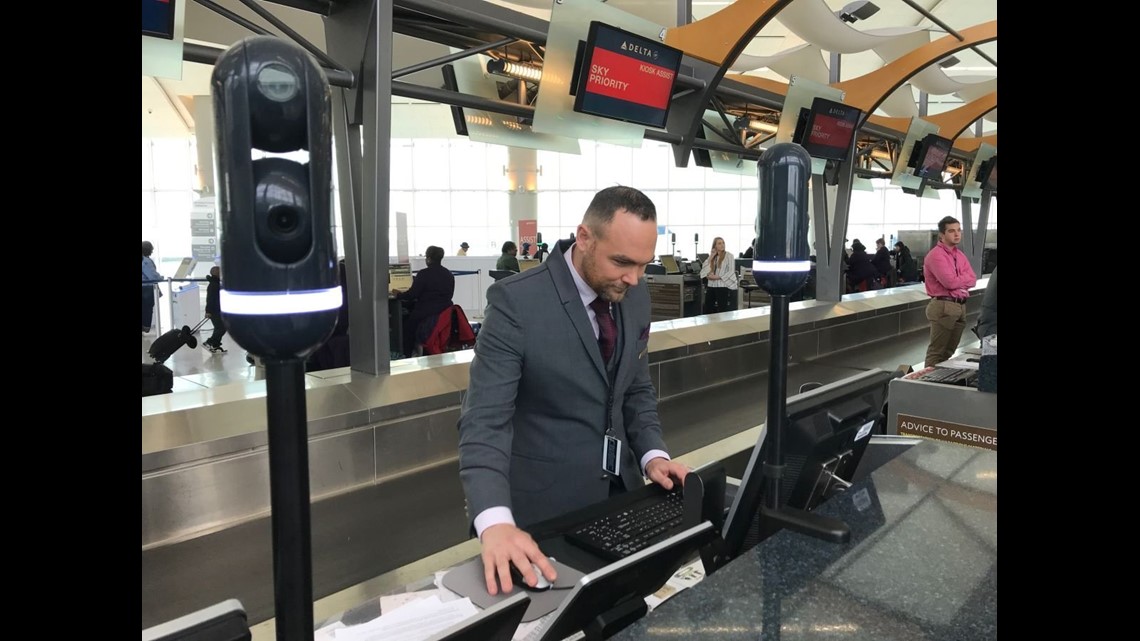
{"x":611,"y":292}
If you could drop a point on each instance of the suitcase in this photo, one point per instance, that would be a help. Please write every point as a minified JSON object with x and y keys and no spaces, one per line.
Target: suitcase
{"x":156,"y":379}
{"x":164,"y":346}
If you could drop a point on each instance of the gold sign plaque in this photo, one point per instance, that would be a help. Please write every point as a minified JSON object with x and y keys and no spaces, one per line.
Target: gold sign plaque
{"x":946,"y":431}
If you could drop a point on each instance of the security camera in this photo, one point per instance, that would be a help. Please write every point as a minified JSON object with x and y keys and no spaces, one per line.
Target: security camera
{"x":781,"y":258}
{"x":281,"y":293}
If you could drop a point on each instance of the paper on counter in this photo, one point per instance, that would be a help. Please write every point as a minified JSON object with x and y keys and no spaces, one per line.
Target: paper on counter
{"x":391,"y":603}
{"x":327,"y":633}
{"x":684,"y":578}
{"x":445,"y":595}
{"x":415,"y":621}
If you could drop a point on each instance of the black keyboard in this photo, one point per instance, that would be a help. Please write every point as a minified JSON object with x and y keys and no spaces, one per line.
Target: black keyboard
{"x":616,"y":536}
{"x":951,"y":376}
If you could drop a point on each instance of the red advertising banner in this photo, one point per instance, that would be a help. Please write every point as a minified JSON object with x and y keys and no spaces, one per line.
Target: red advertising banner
{"x":528,"y":232}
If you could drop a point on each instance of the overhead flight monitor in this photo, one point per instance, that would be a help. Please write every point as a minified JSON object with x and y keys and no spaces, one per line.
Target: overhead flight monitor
{"x":624,"y":76}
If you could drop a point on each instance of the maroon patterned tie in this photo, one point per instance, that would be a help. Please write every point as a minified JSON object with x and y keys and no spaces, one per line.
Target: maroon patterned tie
{"x":607,"y":328}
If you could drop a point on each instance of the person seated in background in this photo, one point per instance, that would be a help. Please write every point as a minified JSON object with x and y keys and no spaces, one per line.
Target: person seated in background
{"x":861,"y":274}
{"x":882,"y":260}
{"x":335,"y":352}
{"x":508,"y":261}
{"x":463,"y":247}
{"x":430,"y":294}
{"x":543,"y":250}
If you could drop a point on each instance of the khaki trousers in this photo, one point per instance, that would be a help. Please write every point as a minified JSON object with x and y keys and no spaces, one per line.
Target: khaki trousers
{"x":947,"y":322}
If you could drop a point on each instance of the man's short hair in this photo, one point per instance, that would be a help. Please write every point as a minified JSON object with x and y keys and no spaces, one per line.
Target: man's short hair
{"x":608,"y":201}
{"x":942,"y":224}
{"x":508,"y":246}
{"x":434,"y":254}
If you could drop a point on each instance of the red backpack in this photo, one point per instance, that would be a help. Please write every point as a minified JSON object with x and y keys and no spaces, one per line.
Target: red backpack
{"x":452,"y":332}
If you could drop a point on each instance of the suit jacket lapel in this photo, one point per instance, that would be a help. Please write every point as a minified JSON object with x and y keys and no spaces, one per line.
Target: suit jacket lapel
{"x":572,"y":304}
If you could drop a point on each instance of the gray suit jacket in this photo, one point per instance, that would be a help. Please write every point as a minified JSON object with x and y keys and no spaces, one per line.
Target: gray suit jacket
{"x":534,"y":417}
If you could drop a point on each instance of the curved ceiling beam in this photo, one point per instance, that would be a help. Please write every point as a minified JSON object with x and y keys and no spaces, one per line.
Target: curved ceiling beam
{"x":933,"y":79}
{"x":717,"y":40}
{"x":775,"y":86}
{"x":974,"y":90}
{"x":712,"y":39}
{"x":970,"y":145}
{"x":898,"y":124}
{"x":816,"y":23}
{"x":952,"y":123}
{"x":868,"y":91}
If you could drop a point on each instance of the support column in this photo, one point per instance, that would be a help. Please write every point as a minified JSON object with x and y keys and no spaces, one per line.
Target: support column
{"x":203,"y":113}
{"x":522,"y":177}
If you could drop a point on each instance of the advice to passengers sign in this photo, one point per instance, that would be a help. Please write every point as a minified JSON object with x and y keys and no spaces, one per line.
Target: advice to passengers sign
{"x":946,"y":431}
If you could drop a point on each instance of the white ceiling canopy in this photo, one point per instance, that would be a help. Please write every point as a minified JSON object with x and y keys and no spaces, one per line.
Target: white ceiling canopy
{"x":815,"y":22}
{"x":900,"y":104}
{"x":803,"y":60}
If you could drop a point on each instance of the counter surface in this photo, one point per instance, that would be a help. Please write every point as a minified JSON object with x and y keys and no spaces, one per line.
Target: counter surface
{"x":921,"y":564}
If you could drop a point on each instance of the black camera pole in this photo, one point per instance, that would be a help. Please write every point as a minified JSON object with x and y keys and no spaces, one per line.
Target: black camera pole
{"x":781,"y":265}
{"x":289,"y":498}
{"x":282,"y":293}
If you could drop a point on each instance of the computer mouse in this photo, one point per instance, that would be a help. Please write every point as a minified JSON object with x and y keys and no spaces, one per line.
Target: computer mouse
{"x":542,"y":585}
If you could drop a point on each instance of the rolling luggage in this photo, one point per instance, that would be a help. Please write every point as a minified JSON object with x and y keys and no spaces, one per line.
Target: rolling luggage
{"x":164,"y":346}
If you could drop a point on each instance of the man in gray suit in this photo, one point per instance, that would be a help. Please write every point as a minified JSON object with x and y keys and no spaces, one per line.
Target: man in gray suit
{"x":561,"y":372}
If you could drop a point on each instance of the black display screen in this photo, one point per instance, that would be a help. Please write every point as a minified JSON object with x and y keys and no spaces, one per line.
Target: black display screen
{"x":158,"y":18}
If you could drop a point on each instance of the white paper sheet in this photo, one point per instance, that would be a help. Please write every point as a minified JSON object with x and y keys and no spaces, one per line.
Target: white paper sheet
{"x":415,"y":621}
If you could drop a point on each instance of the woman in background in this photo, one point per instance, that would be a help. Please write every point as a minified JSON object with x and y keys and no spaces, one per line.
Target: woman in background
{"x":720,"y":269}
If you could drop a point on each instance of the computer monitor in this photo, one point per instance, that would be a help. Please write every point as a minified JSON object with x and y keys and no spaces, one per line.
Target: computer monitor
{"x":497,"y":623}
{"x":528,"y":263}
{"x":826,"y":432}
{"x":987,"y":174}
{"x":826,"y":129}
{"x":605,"y":601}
{"x":223,"y":621}
{"x":670,"y":264}
{"x":158,"y":18}
{"x":929,"y":157}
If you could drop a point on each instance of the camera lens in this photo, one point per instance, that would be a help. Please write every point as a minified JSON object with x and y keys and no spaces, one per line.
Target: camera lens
{"x":277,"y":82}
{"x":283,"y":219}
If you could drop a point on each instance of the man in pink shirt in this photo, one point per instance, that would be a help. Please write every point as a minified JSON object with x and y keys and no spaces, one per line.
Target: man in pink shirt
{"x":949,"y":278}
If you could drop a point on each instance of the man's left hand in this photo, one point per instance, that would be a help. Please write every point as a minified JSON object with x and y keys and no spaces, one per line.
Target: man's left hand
{"x":663,"y":472}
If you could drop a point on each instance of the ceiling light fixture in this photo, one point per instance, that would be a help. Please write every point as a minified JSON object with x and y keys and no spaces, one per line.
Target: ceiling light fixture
{"x":858,"y":10}
{"x":754,"y":124}
{"x":510,"y":69}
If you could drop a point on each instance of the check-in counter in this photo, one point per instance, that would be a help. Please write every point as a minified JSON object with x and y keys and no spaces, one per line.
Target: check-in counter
{"x":938,"y":411}
{"x":921,"y":564}
{"x":383,"y":451}
{"x":673,"y":296}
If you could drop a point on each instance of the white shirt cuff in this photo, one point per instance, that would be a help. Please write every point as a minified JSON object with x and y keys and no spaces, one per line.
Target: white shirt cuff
{"x":649,"y":456}
{"x":492,"y":516}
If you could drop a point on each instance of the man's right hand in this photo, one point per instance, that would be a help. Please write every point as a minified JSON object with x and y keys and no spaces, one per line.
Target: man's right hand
{"x":505,"y":543}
